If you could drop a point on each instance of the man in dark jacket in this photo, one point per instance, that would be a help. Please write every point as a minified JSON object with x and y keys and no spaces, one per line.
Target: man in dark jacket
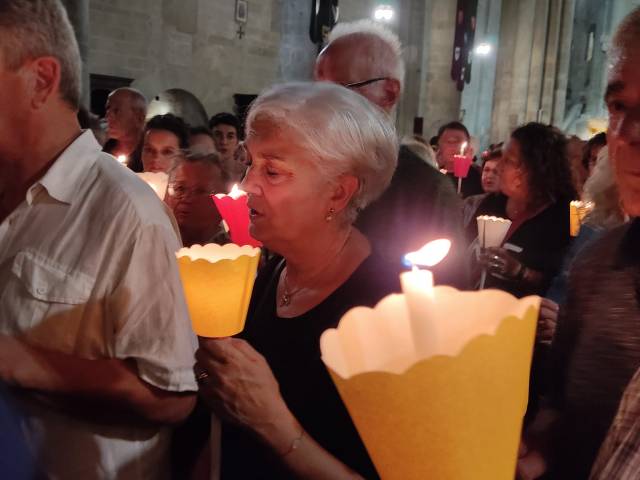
{"x":420,"y":205}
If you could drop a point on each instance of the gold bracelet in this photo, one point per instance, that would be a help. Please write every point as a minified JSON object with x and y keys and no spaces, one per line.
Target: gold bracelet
{"x":294,"y":444}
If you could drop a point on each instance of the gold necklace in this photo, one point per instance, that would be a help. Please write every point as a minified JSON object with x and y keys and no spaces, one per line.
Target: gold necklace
{"x":287,"y":294}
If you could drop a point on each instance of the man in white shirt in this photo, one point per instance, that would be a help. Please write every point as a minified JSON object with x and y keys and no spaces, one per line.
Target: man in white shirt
{"x":94,"y":330}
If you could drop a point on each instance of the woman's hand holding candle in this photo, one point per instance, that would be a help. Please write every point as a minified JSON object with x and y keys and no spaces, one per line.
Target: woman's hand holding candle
{"x":500,"y":263}
{"x":236,"y":382}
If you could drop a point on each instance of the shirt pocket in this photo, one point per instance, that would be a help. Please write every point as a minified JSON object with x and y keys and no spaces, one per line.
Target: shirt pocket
{"x":50,"y":281}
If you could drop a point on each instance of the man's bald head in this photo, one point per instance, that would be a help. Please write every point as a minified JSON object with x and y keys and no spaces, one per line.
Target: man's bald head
{"x":126,"y":113}
{"x":133,"y":97}
{"x":361,"y":51}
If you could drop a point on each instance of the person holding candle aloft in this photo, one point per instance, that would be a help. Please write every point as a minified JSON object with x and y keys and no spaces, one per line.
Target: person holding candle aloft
{"x":454,"y":141}
{"x":536,"y":190}
{"x":318,"y":154}
{"x":191,"y":183}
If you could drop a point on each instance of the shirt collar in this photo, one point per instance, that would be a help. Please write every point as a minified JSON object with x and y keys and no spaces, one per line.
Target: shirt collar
{"x":62,"y":179}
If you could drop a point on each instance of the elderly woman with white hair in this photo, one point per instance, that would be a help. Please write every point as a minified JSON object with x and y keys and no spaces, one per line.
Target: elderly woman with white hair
{"x":318,"y":154}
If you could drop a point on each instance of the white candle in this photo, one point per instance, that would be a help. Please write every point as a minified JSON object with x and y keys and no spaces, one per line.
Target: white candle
{"x":417,"y":285}
{"x":157,"y":181}
{"x":122,"y":159}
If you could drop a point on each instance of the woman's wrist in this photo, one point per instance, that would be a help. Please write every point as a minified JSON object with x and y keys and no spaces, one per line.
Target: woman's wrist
{"x":281,"y":433}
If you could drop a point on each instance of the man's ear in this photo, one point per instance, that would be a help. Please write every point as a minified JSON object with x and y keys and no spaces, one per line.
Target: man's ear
{"x":344,"y":191}
{"x":141,"y":116}
{"x":391,"y":89}
{"x":45,"y":80}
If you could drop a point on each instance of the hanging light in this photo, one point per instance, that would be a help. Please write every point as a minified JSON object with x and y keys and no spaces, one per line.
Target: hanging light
{"x":383,"y":13}
{"x":483,"y":49}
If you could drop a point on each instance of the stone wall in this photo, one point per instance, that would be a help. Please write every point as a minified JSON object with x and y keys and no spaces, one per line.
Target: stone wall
{"x":194,"y":45}
{"x":187,"y":44}
{"x":439,"y":99}
{"x":477,"y":97}
{"x":531,"y":71}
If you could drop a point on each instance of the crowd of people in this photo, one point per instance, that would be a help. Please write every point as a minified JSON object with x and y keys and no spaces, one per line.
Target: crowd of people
{"x":101,"y":375}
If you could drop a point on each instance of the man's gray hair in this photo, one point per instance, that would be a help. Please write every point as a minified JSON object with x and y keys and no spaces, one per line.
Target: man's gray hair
{"x":36,"y":28}
{"x":342,"y":131}
{"x":601,"y":189}
{"x":369,"y":28}
{"x":136,"y":99}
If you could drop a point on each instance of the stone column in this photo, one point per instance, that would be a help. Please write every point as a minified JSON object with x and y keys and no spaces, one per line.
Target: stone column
{"x":439,"y":100}
{"x":297,"y":53}
{"x":522,"y":58}
{"x":410,"y":30}
{"x":78,"y":11}
{"x":477,"y":97}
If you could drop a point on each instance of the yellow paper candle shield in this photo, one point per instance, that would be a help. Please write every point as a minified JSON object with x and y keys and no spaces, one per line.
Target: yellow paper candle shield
{"x":450,"y":408}
{"x":577,"y":213}
{"x":218,"y":281}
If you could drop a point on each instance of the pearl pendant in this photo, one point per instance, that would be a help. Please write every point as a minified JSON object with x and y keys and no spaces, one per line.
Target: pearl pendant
{"x":285,"y":300}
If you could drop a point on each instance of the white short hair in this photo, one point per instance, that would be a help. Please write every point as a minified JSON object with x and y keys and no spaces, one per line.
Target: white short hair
{"x":366,"y":27}
{"x":344,"y":133}
{"x":36,"y":28}
{"x":421,"y":149}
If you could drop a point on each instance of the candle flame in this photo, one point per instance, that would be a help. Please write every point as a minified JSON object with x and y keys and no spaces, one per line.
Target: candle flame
{"x":463,"y":147}
{"x":122,"y":159}
{"x":235,"y":192}
{"x":429,"y":255}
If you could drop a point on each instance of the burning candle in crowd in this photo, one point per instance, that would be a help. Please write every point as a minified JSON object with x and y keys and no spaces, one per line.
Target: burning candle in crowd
{"x":577,"y":213}
{"x":235,"y":212}
{"x":122,"y":160}
{"x":418,"y":287}
{"x":461,"y":165}
{"x":422,"y":404}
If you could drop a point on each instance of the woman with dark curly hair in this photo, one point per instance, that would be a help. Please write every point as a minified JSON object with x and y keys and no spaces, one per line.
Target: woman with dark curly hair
{"x":536,"y":190}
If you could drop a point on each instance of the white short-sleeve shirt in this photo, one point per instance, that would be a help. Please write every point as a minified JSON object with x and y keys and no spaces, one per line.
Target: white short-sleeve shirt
{"x":88,"y":268}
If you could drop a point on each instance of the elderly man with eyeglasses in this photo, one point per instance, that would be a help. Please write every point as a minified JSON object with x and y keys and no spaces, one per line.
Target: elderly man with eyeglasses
{"x":191,"y":183}
{"x":420,"y":204}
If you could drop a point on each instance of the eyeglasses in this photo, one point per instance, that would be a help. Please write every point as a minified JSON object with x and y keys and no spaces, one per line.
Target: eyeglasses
{"x":180,"y":191}
{"x":365,"y":82}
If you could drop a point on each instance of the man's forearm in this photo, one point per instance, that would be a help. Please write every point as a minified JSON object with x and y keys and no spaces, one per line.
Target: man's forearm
{"x":103,"y":386}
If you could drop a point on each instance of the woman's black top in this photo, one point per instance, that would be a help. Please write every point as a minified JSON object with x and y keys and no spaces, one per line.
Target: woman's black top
{"x":291,"y":347}
{"x":543,"y":239}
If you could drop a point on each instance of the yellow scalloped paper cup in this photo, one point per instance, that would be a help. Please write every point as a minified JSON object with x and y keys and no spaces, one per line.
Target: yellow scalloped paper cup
{"x":443,"y":417}
{"x":217,"y":282}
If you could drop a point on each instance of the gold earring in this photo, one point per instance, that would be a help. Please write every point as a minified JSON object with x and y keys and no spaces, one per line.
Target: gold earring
{"x":329,"y":216}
